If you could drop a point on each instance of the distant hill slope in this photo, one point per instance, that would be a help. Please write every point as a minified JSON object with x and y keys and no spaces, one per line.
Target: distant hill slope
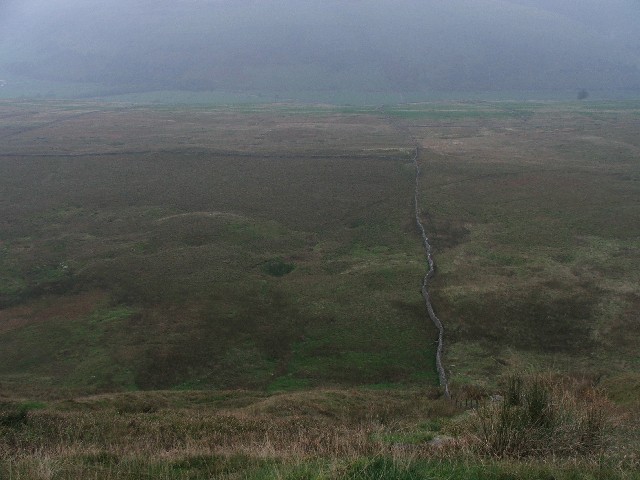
{"x":285,"y":46}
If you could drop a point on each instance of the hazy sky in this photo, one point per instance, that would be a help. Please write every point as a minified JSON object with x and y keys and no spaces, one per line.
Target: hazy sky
{"x":294,"y":45}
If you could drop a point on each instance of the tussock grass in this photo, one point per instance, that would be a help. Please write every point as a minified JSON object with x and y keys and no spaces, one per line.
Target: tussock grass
{"x":334,"y":434}
{"x":172,"y":432}
{"x":544,"y":417}
{"x":329,"y":434}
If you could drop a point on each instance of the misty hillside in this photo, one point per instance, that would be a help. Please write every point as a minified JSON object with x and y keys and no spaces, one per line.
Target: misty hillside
{"x":289,"y":46}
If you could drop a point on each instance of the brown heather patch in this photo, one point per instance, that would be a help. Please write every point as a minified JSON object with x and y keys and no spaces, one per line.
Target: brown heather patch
{"x":205,"y":434}
{"x":70,"y":307}
{"x":332,"y":424}
{"x":105,"y":129}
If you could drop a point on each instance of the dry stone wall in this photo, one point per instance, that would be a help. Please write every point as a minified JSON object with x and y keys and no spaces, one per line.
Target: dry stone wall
{"x":425,"y":282}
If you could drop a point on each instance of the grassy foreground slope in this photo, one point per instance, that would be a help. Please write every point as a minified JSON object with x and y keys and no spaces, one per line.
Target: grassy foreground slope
{"x":203,"y":248}
{"x":313,"y":434}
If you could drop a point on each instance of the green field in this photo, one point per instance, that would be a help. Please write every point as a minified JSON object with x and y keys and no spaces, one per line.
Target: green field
{"x":234,"y":292}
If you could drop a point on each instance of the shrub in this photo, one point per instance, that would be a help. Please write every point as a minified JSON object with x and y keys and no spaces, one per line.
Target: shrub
{"x":14,"y":418}
{"x":540,"y":416}
{"x":277,"y":267}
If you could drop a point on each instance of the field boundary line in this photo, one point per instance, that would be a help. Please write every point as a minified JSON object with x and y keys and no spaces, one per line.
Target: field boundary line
{"x":204,"y":151}
{"x":424,"y":289}
{"x":442,"y":375}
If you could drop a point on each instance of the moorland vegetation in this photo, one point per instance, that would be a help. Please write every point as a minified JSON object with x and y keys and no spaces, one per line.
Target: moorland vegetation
{"x":234,"y":292}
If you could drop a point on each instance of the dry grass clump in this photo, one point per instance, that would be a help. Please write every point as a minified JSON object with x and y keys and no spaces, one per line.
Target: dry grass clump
{"x":543,"y":416}
{"x":544,"y":427}
{"x":305,"y":424}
